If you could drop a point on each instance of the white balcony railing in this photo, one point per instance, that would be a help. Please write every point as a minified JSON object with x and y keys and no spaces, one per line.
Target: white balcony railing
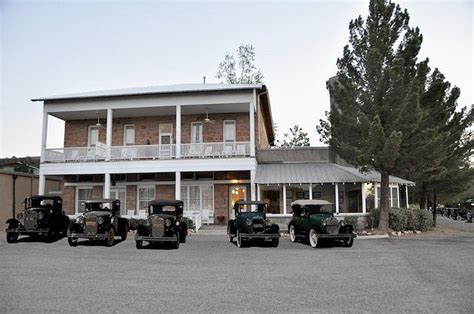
{"x":138,"y":152}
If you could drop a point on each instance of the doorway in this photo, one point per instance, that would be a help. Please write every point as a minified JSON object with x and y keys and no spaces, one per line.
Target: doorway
{"x":236,"y":192}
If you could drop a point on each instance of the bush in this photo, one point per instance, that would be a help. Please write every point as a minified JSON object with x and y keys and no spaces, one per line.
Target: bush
{"x":189,"y":222}
{"x":373,"y":218}
{"x":353,"y":221}
{"x":398,"y":219}
{"x":401,"y":219}
{"x":424,"y":219}
{"x":134,"y":222}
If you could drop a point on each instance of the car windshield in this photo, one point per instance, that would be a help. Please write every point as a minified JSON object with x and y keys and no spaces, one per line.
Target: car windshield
{"x":98,"y":207}
{"x":42,"y":203}
{"x":314,"y":209}
{"x":251,"y":208}
{"x":160,"y":209}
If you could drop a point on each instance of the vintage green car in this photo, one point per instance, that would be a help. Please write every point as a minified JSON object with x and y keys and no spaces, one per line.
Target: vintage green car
{"x":251,"y":223}
{"x":165,"y":224}
{"x":101,"y":221}
{"x":311,"y":222}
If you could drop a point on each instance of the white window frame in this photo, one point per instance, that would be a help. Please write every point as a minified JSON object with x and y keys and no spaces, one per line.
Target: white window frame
{"x":148,"y":186}
{"x":224,"y":132}
{"x":89,"y":187}
{"x":89,"y":135}
{"x":193,"y":133}
{"x":124,"y":203}
{"x":125,"y":134}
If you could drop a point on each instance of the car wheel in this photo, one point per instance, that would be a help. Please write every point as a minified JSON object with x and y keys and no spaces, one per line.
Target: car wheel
{"x":72,"y":241}
{"x":313,"y":238}
{"x":109,"y":241}
{"x":292,"y":233}
{"x":182,"y":237}
{"x":348,"y":242}
{"x":458,"y":217}
{"x":275,"y":242}
{"x":12,"y":237}
{"x":239,"y":239}
{"x":176,"y":243}
{"x":139,"y":244}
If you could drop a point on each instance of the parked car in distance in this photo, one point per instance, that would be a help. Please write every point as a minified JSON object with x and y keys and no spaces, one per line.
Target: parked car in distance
{"x":42,"y":216}
{"x":100,"y":221}
{"x":165,"y":224}
{"x":251,"y":223}
{"x":310,"y":222}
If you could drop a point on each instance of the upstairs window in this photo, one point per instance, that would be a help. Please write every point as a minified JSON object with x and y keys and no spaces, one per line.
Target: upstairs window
{"x":229,"y":131}
{"x":196,"y":132}
{"x":93,"y":136}
{"x":129,"y":134}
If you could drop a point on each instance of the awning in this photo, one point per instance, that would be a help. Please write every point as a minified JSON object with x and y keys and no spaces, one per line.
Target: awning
{"x":293,"y":173}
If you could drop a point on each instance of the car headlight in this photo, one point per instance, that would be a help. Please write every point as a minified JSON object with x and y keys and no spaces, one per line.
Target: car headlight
{"x":80,"y":220}
{"x":249,"y":222}
{"x":100,"y":220}
{"x":177,"y":223}
{"x":19,"y":216}
{"x":342,"y":223}
{"x":167,"y":222}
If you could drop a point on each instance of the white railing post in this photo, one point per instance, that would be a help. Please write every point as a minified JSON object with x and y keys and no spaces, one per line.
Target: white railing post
{"x":107,"y":185}
{"x":177,"y":190}
{"x":284,"y":199}
{"x":41,"y":184}
{"x":44,"y":136}
{"x":178,"y":131}
{"x":376,"y":196}
{"x":108,"y":138}
{"x":252,"y":185}
{"x":406,"y":195}
{"x":398,"y":195}
{"x":311,"y":191}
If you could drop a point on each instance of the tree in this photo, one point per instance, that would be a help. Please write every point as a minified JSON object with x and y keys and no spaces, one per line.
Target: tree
{"x":297,"y":138}
{"x":375,"y":97}
{"x":246,"y":72}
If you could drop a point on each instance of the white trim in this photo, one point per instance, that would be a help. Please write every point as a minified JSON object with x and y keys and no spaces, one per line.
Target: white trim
{"x":150,"y":166}
{"x":376,"y":195}
{"x":336,"y":197}
{"x":108,"y":134}
{"x":106,"y":192}
{"x":284,"y":199}
{"x":391,"y":197}
{"x":89,"y":128}
{"x":142,"y":186}
{"x":44,"y":135}
{"x":364,"y":198}
{"x":178,"y":131}
{"x":258,"y":193}
{"x":398,"y":196}
{"x":125,"y":126}
{"x":177,"y":185}
{"x":223,"y":131}
{"x":253,"y":195}
{"x":183,"y":183}
{"x":41,"y":184}
{"x":202,"y":132}
{"x":406,"y":195}
{"x":311,"y":191}
{"x":76,"y":196}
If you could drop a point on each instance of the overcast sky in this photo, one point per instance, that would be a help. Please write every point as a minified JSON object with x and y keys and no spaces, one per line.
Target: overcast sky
{"x":50,"y":48}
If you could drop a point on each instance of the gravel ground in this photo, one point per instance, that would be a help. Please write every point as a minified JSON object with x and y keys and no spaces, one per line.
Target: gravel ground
{"x":419,"y":273}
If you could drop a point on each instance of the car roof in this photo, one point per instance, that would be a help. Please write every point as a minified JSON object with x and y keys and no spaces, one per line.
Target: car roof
{"x":47,"y":197}
{"x":103,"y":200}
{"x":242,"y":202}
{"x":166,"y":202}
{"x":311,"y":202}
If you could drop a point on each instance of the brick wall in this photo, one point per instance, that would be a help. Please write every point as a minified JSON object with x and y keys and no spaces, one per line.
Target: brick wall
{"x":69,"y":198}
{"x":131,"y":197}
{"x":221,"y":201}
{"x":165,"y":192}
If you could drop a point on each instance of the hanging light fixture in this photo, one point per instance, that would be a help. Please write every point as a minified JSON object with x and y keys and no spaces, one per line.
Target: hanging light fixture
{"x":98,"y":121}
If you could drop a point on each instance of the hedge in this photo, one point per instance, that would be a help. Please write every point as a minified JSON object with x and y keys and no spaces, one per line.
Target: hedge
{"x":401,"y":219}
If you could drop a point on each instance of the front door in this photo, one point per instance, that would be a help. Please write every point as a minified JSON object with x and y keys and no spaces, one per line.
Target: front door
{"x":120,"y":194}
{"x":165,"y":145}
{"x":237,"y":192}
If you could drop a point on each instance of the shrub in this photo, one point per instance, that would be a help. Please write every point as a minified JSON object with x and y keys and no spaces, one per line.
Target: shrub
{"x":423,"y":220}
{"x":401,"y":219}
{"x":351,"y":220}
{"x":134,"y":222}
{"x":373,"y":218}
{"x":398,"y":219}
{"x":189,"y":222}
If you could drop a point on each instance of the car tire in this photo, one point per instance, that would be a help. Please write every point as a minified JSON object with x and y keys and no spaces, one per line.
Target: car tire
{"x":348,"y":242}
{"x":12,"y":237}
{"x":139,"y":244}
{"x":275,"y":242}
{"x":109,"y":241}
{"x":176,"y":243}
{"x":182,"y":237}
{"x":292,"y":233}
{"x":72,"y":241}
{"x":240,"y":241}
{"x":313,"y":238}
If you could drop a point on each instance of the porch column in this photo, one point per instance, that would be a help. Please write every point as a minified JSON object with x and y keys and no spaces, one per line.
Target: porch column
{"x":258,"y":192}
{"x":252,"y":124}
{"x":252,"y":185}
{"x":44,"y":136}
{"x":364,"y":200}
{"x":107,"y":185}
{"x":398,"y":195}
{"x":41,"y":184}
{"x":108,"y":138}
{"x":178,"y":131}
{"x":406,"y":195}
{"x":391,"y":196}
{"x":284,"y":199}
{"x":376,"y":196}
{"x":177,"y":185}
{"x":336,"y":197}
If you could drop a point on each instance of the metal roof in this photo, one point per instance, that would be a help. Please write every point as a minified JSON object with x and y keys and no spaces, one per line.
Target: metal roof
{"x":152,"y":90}
{"x":322,"y":172}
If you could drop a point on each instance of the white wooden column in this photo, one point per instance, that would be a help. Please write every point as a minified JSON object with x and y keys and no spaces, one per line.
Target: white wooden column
{"x":364,"y":198}
{"x":398,"y":195}
{"x":284,"y":199}
{"x":406,"y":195}
{"x":258,"y":192}
{"x":252,"y":185}
{"x":107,"y":185}
{"x":252,"y":123}
{"x":376,"y":195}
{"x":41,"y":184}
{"x":336,"y":197}
{"x":178,"y":131}
{"x":311,"y":191}
{"x":391,"y":195}
{"x":108,"y":138}
{"x":44,"y":137}
{"x":177,"y":186}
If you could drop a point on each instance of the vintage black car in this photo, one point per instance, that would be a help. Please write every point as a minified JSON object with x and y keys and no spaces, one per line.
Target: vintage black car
{"x":310,"y":222}
{"x":42,"y":216}
{"x":251,"y":223}
{"x":100,"y":221}
{"x":165,"y":224}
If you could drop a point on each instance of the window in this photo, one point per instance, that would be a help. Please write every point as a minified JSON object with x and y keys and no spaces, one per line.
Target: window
{"x":82,"y":195}
{"x":128,"y":134}
{"x":229,"y":131}
{"x":93,"y":136}
{"x":199,"y":198}
{"x":394,"y":197}
{"x":145,"y":195}
{"x":196,"y":132}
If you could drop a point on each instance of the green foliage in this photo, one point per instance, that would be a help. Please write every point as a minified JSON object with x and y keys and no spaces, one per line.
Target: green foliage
{"x":373,"y":218}
{"x":402,"y":219}
{"x":134,"y":222}
{"x":240,"y":69}
{"x":189,"y":222}
{"x":353,"y":221}
{"x":298,"y":138}
{"x":398,"y":218}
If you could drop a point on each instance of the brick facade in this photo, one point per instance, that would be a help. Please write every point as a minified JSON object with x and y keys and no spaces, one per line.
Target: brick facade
{"x":165,"y":192}
{"x":221,"y":201}
{"x":69,"y":198}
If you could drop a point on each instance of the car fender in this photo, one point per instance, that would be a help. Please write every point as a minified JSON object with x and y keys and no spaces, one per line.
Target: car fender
{"x":13,"y":223}
{"x":142,"y":230}
{"x":231,"y":227}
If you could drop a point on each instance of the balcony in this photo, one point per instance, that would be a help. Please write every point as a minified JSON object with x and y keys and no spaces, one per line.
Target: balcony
{"x":147,"y":152}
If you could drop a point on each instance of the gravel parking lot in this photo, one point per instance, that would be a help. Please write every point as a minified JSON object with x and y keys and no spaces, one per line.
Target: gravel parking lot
{"x":422,"y":273}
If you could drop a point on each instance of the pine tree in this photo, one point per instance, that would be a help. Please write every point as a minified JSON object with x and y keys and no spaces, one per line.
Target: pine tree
{"x":298,"y":138}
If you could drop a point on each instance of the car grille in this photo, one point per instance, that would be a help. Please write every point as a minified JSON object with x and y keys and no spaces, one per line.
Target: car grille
{"x":332,"y":225}
{"x":258,"y":225}
{"x":91,"y":224}
{"x":31,"y":219}
{"x":157,"y":226}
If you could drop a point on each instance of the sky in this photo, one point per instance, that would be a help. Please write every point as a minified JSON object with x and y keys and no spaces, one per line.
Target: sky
{"x":58,"y":47}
